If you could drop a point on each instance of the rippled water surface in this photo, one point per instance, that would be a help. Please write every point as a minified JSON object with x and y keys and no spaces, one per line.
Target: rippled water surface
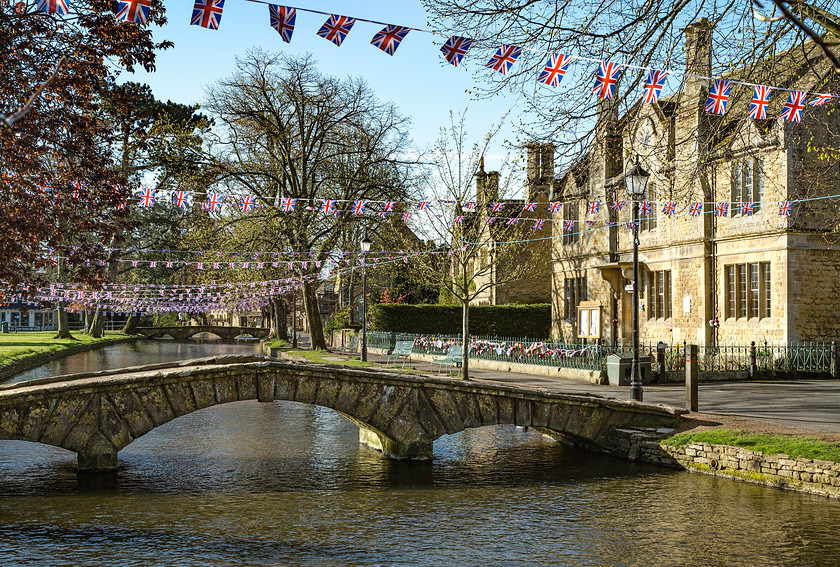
{"x":283,"y":483}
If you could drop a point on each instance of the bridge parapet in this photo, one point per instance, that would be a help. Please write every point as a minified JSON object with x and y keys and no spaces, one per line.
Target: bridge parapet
{"x":97,"y":414}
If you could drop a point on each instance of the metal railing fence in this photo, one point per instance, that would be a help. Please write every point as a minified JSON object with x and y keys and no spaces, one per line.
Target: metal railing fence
{"x":813,"y":357}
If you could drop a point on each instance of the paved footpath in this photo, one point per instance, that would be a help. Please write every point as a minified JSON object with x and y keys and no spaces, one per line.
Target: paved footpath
{"x":812,"y":405}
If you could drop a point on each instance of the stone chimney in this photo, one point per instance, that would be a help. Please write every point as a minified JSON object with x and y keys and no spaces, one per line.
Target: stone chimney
{"x":547,"y":163}
{"x":533,"y":153}
{"x":491,"y":187}
{"x":480,"y":180}
{"x":698,"y":55}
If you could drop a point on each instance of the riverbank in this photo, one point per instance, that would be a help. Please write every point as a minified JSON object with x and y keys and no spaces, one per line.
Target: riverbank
{"x":23,"y":351}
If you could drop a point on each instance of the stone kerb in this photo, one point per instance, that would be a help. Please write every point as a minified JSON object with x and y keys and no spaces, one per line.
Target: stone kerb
{"x":98,"y":414}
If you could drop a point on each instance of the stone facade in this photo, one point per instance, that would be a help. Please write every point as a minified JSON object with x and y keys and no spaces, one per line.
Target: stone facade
{"x":518,"y":273}
{"x":803,"y":475}
{"x":707,"y":279}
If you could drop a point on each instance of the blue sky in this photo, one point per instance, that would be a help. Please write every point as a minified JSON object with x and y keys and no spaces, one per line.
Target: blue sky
{"x":416,"y":77}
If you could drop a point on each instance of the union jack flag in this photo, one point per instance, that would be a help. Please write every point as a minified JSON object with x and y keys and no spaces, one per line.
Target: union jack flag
{"x":490,"y":220}
{"x":669,"y":208}
{"x":593,"y":208}
{"x":469,"y":206}
{"x":169,"y":264}
{"x":282,"y":19}
{"x":287,"y":204}
{"x":538,"y":224}
{"x":511,"y":221}
{"x":136,"y":11}
{"x":606,"y":79}
{"x":504,"y":58}
{"x":568,"y":225}
{"x":422,"y":205}
{"x":388,"y":206}
{"x":785,"y":208}
{"x":653,"y":85}
{"x":718,"y":97}
{"x":646,"y":208}
{"x":382,"y":214}
{"x":555,"y":69}
{"x":247,"y":203}
{"x":821,"y":99}
{"x":406,"y":216}
{"x":455,"y":48}
{"x":722,"y":209}
{"x":388,"y":39}
{"x":336,"y":28}
{"x":147,"y":197}
{"x":618,"y":205}
{"x":215,"y":265}
{"x":328,"y":206}
{"x":496,"y":207}
{"x":530,"y":207}
{"x":696,"y":209}
{"x":207,"y":13}
{"x":554,"y":206}
{"x":122,"y":205}
{"x":631,"y":225}
{"x":459,"y":219}
{"x":214,"y":202}
{"x":180,"y":199}
{"x":747,"y":208}
{"x":134,"y":263}
{"x":358,"y":207}
{"x":792,"y":110}
{"x":760,"y":100}
{"x":59,"y":7}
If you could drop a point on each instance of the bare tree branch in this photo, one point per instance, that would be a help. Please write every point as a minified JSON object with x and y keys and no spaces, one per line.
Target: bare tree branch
{"x":23,"y":110}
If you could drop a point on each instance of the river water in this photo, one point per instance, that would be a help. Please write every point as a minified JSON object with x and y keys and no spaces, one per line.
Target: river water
{"x":288,"y":484}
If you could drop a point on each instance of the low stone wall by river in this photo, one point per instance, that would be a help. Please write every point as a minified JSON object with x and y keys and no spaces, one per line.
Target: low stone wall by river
{"x":34,"y":361}
{"x":804,"y":475}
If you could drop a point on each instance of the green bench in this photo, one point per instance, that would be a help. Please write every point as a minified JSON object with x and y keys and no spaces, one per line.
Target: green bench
{"x":454,"y":356}
{"x":402,"y":350}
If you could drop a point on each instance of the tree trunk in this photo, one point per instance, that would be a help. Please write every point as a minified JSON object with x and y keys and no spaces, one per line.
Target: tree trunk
{"x":313,"y":317}
{"x":465,"y":340}
{"x":131,"y":323}
{"x":279,"y":319}
{"x":97,"y":325}
{"x":63,"y":331}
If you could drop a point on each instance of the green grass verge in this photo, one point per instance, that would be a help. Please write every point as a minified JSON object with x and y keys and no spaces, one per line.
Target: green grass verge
{"x":793,"y":446}
{"x":18,"y":346}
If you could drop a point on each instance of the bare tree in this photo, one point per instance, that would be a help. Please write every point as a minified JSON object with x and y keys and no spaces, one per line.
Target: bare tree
{"x":482,"y":252}
{"x":290,"y":132}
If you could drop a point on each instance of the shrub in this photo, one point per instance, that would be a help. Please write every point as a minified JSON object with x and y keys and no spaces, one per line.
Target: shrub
{"x":494,"y":320}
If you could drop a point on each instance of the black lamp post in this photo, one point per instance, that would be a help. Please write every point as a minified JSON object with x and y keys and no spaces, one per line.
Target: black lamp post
{"x":365,"y":247}
{"x":636,"y":180}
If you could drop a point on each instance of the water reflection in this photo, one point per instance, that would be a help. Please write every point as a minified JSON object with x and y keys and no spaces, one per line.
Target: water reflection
{"x":134,"y":354}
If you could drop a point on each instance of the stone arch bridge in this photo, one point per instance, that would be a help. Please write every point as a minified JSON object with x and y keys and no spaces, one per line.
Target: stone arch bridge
{"x":181,"y":332}
{"x":97,"y":414}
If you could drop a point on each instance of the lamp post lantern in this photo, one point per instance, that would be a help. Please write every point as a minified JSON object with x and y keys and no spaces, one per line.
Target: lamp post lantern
{"x":365,"y":247}
{"x":636,"y":180}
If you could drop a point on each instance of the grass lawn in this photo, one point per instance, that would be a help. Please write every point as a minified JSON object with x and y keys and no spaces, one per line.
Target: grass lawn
{"x":17,"y":346}
{"x":803,"y":447}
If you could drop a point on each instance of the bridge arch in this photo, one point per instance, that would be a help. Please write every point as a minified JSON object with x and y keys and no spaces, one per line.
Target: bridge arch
{"x":98,"y":414}
{"x":182,"y":332}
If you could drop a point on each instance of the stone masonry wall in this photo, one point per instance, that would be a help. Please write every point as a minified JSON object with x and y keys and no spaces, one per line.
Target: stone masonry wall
{"x":803,"y":475}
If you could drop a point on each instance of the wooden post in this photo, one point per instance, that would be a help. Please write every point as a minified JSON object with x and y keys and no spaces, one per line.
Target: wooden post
{"x":692,"y":375}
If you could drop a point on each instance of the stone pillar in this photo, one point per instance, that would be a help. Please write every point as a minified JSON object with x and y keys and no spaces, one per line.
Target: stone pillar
{"x":97,"y":462}
{"x":692,"y":376}
{"x":835,"y":364}
{"x":753,"y":364}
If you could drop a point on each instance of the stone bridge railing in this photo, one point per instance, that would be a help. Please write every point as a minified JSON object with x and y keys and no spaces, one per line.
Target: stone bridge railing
{"x":97,"y":414}
{"x":182,"y":332}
